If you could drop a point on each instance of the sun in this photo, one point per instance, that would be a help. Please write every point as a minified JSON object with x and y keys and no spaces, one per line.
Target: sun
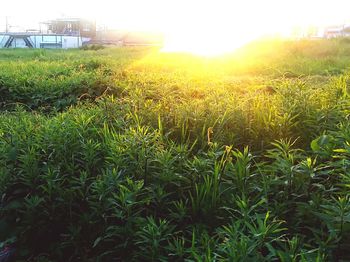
{"x":209,"y":43}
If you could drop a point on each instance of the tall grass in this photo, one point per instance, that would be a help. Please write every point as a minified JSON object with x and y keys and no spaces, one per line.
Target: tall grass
{"x":135,"y":155}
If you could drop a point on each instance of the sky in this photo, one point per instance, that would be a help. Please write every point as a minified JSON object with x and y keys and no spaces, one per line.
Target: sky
{"x":173,"y":15}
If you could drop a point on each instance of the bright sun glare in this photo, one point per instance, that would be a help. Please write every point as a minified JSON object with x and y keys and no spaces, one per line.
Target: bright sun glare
{"x":206,"y":27}
{"x":215,"y":27}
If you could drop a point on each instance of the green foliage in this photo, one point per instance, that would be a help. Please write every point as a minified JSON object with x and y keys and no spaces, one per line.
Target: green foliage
{"x":133,"y":155}
{"x":92,"y":47}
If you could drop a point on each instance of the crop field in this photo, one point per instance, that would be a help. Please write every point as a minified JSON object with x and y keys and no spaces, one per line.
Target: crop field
{"x":131,"y":154}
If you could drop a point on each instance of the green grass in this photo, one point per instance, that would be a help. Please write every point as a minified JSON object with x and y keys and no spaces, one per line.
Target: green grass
{"x":130,"y":154}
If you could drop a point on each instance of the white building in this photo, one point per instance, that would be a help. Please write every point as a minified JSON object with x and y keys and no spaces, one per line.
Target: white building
{"x":337,"y":31}
{"x":32,"y":40}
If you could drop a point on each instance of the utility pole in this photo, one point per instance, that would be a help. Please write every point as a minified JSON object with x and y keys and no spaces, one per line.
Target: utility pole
{"x":7,"y":24}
